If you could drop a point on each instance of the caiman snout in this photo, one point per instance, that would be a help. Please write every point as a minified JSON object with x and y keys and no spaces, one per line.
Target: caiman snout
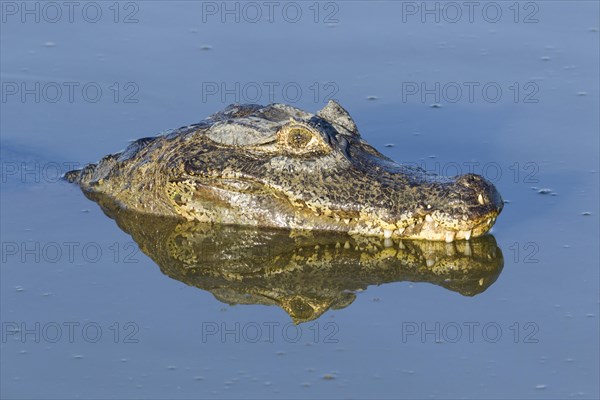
{"x":474,"y":207}
{"x":452,"y":208}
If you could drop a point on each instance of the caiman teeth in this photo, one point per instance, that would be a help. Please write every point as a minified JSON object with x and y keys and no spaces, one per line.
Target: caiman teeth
{"x":430,"y":262}
{"x":427,"y":227}
{"x":450,"y":250}
{"x":480,"y":199}
{"x":387,"y":233}
{"x":467,"y":251}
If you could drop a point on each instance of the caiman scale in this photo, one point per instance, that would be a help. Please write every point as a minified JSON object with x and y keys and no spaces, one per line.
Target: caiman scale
{"x":282,"y":167}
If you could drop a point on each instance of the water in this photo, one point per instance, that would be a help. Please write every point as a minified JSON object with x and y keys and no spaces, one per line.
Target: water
{"x":127,"y":330}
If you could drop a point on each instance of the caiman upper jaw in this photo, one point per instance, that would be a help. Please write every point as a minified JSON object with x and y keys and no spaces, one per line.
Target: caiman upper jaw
{"x":482,"y":199}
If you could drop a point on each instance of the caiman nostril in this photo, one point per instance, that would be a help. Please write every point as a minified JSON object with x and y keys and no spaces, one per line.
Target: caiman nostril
{"x":484,"y":191}
{"x":470,"y":180}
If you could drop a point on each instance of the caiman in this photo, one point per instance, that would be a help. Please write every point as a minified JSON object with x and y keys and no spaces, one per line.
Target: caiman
{"x":281,"y":167}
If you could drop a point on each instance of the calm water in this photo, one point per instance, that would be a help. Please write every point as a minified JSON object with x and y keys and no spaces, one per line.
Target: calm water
{"x":86,"y":314}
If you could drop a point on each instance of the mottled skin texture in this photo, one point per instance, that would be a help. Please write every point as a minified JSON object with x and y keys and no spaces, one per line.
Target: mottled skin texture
{"x":278,"y":166}
{"x":307,"y":274}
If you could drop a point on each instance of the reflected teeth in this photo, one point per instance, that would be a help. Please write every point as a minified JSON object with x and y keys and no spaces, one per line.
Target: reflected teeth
{"x":388,"y":243}
{"x":387,"y":233}
{"x":450,"y":236}
{"x":467,"y":252}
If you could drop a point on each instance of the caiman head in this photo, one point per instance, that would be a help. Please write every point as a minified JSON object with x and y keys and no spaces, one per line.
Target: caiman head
{"x":280,"y":166}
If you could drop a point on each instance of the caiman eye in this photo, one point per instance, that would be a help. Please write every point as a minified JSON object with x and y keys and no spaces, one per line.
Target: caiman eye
{"x":298,"y":138}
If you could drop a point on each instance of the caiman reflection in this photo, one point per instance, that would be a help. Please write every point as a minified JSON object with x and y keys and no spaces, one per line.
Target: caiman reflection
{"x":304,"y":274}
